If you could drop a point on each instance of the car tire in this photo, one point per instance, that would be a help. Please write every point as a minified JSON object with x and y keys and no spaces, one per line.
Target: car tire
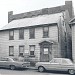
{"x":71,"y":71}
{"x":12,"y":67}
{"x":41,"y":69}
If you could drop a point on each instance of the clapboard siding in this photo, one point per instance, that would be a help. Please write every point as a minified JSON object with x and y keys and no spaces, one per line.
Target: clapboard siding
{"x":5,"y":42}
{"x":73,"y":42}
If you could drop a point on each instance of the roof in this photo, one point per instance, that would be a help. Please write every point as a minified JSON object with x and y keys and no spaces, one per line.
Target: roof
{"x":39,"y":20}
{"x":44,"y":11}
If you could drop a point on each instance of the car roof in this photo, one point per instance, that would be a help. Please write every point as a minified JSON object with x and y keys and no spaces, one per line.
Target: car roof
{"x":62,"y":58}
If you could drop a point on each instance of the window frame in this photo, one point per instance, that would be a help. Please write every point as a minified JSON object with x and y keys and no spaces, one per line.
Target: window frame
{"x":10,"y":36}
{"x":44,"y":36}
{"x":30,"y":51}
{"x":23,"y":50}
{"x":19,"y":34}
{"x":30,"y":35}
{"x":9,"y":51}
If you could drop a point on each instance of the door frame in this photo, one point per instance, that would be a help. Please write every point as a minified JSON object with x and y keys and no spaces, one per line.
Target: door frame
{"x":46,"y":44}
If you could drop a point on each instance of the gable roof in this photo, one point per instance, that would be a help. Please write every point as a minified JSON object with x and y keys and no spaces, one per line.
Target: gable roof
{"x":39,"y":20}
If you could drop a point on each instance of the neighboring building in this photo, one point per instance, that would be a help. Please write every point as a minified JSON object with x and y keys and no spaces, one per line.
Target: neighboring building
{"x":39,"y":35}
{"x":72,"y":25}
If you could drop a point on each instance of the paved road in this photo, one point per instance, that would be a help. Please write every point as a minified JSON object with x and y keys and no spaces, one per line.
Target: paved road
{"x":28,"y":72}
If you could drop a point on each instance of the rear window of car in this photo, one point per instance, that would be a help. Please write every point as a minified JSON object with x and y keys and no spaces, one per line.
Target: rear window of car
{"x":67,"y":61}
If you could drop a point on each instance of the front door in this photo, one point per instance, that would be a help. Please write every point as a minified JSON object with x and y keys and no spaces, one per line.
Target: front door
{"x":45,"y":51}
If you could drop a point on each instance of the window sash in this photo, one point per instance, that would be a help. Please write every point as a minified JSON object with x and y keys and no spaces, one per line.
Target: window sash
{"x":31,"y":52}
{"x":11,"y":50}
{"x":32,"y":49}
{"x":21,"y":50}
{"x":32,"y":32}
{"x":21,"y":34}
{"x":11,"y":35}
{"x":45,"y":31}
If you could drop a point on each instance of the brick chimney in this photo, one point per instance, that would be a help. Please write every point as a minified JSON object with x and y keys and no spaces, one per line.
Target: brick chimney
{"x":69,"y":7}
{"x":10,"y":13}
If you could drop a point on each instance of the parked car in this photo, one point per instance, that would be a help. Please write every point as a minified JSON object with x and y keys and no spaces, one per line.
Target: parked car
{"x":13,"y":63}
{"x":58,"y":64}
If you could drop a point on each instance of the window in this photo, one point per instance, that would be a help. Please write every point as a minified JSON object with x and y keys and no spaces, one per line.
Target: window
{"x":11,"y":50}
{"x":32,"y":49}
{"x":45,"y":32}
{"x":21,"y":33}
{"x":65,"y":36}
{"x":32,"y":33}
{"x":21,"y":50}
{"x":56,"y":61}
{"x":11,"y":35}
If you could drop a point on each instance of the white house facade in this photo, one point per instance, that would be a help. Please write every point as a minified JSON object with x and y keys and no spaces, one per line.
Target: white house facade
{"x":38,"y":35}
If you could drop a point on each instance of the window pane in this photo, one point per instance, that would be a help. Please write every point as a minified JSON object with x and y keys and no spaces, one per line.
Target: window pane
{"x":11,"y":35}
{"x":32,"y":33}
{"x":45,"y":29}
{"x":45,"y":32}
{"x":31,"y":52}
{"x":11,"y":50}
{"x":32,"y":49}
{"x":21,"y":34}
{"x":21,"y":50}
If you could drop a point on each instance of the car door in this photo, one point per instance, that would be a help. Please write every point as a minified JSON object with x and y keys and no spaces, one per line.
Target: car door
{"x":2,"y":62}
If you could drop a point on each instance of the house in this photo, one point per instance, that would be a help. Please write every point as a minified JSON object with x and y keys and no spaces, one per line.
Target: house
{"x":38,"y":35}
{"x":72,"y":25}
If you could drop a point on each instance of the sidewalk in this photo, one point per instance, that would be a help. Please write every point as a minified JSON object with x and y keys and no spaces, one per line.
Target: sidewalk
{"x":31,"y":67}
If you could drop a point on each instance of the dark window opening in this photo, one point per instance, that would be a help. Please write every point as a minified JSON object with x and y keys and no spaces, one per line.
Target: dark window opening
{"x":32,"y":33}
{"x":11,"y":35}
{"x":21,"y":33}
{"x":45,"y":32}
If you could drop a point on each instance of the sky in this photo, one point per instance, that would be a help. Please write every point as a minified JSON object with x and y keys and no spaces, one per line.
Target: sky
{"x":21,"y":6}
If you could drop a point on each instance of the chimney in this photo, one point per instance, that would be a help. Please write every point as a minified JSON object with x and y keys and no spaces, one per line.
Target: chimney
{"x":69,"y":7}
{"x":10,"y":13}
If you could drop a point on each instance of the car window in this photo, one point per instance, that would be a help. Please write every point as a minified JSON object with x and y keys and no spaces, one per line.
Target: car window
{"x":4,"y":59}
{"x":56,"y":61}
{"x":17,"y":59}
{"x":66,"y":61}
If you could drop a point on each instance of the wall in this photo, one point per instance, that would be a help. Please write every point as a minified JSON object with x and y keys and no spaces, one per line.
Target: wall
{"x":73,"y":43}
{"x":5,"y":42}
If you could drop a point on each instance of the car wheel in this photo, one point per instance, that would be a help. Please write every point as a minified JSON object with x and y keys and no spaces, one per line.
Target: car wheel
{"x":12,"y":67}
{"x":41,"y":69}
{"x":71,"y":71}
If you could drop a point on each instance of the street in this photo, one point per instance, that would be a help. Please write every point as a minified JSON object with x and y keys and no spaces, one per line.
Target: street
{"x":28,"y":72}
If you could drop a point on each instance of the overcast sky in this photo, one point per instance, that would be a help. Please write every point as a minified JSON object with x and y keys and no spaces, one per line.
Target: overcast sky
{"x":20,"y":6}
